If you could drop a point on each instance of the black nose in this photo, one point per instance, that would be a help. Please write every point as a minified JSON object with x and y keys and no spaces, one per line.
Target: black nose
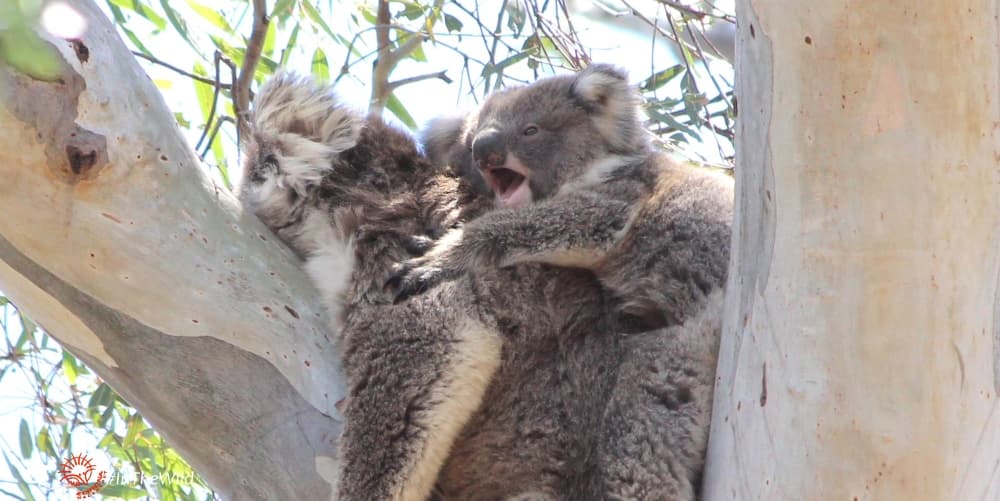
{"x":488,"y":149}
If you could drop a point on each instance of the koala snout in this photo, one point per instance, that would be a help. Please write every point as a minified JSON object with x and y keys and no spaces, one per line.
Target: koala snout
{"x":488,"y":149}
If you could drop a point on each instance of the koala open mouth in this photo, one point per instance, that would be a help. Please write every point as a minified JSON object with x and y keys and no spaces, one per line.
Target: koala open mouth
{"x":509,"y":184}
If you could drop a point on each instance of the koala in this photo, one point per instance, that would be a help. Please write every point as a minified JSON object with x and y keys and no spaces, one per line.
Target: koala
{"x":501,"y":383}
{"x":577,"y":184}
{"x":570,"y":165}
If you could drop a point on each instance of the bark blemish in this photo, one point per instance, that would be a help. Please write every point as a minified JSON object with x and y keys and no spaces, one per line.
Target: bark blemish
{"x":72,"y":153}
{"x":763,"y":385}
{"x":82,"y":52}
{"x":111,"y":217}
{"x":80,"y":161}
{"x":292,"y":312}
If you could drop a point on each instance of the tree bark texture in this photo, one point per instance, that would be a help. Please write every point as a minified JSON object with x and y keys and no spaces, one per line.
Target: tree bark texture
{"x":114,"y":238}
{"x":859,"y":357}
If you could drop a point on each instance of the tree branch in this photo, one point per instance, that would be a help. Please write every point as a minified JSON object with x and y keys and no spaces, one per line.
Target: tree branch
{"x":185,"y":304}
{"x":241,"y":96}
{"x":389,"y":58}
{"x":190,"y":75}
{"x":405,"y":81}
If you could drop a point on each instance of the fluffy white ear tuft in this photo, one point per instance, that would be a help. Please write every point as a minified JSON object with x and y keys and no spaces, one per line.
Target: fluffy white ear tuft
{"x":615,"y":105}
{"x":306,"y":125}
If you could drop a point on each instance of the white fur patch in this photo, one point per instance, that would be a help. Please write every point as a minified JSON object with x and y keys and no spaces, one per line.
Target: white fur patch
{"x":597,"y":172}
{"x":620,"y":117}
{"x":595,"y":86}
{"x":472,"y":364}
{"x":329,"y":261}
{"x":308,"y":126}
{"x":447,"y":242}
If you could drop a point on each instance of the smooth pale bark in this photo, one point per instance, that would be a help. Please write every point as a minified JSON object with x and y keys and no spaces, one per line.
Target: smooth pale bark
{"x":859,"y":353}
{"x":115,"y":240}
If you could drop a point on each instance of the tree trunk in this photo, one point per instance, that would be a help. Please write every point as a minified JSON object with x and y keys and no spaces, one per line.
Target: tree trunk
{"x":860,"y":350}
{"x":115,"y":240}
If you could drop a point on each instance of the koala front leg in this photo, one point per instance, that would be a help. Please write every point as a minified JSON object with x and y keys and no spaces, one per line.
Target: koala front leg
{"x":573,"y":231}
{"x":417,"y":376}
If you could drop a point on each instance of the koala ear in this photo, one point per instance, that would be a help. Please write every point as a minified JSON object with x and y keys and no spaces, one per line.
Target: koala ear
{"x":441,"y":137}
{"x":444,"y":143}
{"x":306,"y":126}
{"x":604,"y":91}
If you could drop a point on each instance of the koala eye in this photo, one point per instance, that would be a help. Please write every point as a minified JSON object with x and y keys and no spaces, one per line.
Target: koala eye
{"x":530,"y":130}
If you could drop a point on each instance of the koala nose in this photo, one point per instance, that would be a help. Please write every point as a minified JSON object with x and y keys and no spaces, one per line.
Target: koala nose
{"x":488,"y":149}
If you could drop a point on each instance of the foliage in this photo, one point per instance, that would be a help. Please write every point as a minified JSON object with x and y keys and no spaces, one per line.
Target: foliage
{"x":391,"y":54}
{"x":20,"y":46}
{"x":68,"y":410}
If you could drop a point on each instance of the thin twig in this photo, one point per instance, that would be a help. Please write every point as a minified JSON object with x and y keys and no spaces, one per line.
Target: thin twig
{"x":211,"y":138}
{"x":405,"y":81}
{"x":215,"y":101}
{"x":190,"y":75}
{"x":698,"y":14}
{"x":241,"y":94}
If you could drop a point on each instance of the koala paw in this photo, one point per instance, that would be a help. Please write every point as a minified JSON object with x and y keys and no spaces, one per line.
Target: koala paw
{"x":414,"y":277}
{"x":418,"y":245}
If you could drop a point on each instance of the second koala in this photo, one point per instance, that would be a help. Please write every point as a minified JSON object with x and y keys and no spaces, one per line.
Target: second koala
{"x":577,"y":184}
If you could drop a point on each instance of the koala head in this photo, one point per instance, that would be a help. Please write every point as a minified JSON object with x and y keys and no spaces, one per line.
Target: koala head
{"x":526,"y":142}
{"x":297,"y":130}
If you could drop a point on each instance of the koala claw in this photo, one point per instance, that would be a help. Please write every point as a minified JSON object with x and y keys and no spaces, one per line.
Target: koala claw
{"x":413,"y":279}
{"x":418,"y":245}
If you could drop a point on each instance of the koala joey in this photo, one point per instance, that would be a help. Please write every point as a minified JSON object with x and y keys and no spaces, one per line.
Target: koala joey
{"x":499,"y":384}
{"x":578,"y":185}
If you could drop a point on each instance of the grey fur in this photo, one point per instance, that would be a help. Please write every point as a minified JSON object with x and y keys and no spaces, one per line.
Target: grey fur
{"x":515,"y":374}
{"x":656,"y":234}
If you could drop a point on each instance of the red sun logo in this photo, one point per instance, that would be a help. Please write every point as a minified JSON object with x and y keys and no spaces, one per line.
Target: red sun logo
{"x":77,"y":472}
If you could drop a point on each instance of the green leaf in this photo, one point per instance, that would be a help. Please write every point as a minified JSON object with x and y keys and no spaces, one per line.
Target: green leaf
{"x":282,"y":8}
{"x":44,"y":442}
{"x":21,"y":48}
{"x":320,"y":68}
{"x":183,"y":122}
{"x":272,"y":33}
{"x":144,"y":11}
{"x":516,"y":17}
{"x":411,"y":11}
{"x":498,"y":68}
{"x":292,"y":38}
{"x":397,"y":108}
{"x":135,"y":425}
{"x":418,"y":54}
{"x":122,"y":491}
{"x":26,"y":442}
{"x":316,"y":18}
{"x":660,"y":78}
{"x":210,"y":15}
{"x":27,"y":324}
{"x":21,"y":484}
{"x":180,"y":25}
{"x":102,"y":397}
{"x":69,"y":366}
{"x":120,"y":22}
{"x":452,"y":23}
{"x":203,"y":92}
{"x":672,"y":122}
